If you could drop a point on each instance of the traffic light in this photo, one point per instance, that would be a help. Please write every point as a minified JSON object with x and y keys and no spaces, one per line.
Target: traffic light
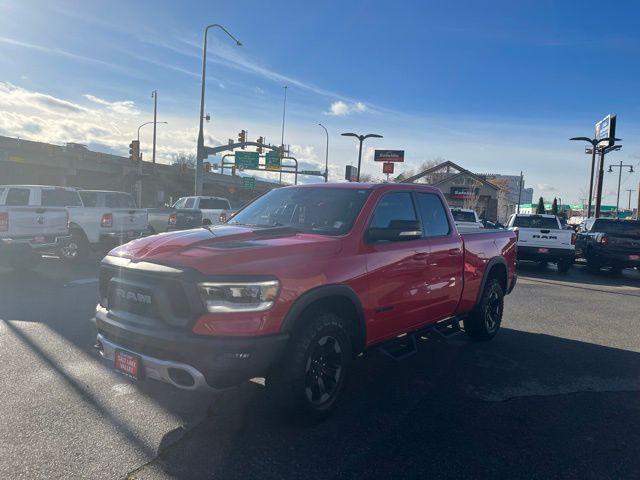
{"x":134,"y":150}
{"x":260,"y":141}
{"x":242,"y":137}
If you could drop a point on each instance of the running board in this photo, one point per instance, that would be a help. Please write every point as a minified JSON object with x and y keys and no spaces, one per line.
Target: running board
{"x":406,"y":345}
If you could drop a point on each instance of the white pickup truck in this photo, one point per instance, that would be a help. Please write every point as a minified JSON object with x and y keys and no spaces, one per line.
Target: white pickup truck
{"x":467,"y":218}
{"x":541,"y":238}
{"x":28,"y":232}
{"x":97,"y":219}
{"x":214,"y":209}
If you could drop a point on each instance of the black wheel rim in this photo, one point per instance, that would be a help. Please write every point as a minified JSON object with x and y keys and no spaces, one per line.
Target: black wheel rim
{"x":493,"y":312}
{"x":70,"y":250}
{"x":323,"y":370}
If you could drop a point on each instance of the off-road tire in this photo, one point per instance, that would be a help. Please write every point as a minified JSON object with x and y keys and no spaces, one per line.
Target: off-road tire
{"x":483,"y":322}
{"x":77,"y":249}
{"x":318,"y":356}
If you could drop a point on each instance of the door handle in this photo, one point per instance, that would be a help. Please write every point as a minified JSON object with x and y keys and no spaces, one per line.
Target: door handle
{"x":420,"y":256}
{"x":454,"y":251}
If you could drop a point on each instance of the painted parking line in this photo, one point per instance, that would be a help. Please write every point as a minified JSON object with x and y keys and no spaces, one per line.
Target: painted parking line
{"x":82,"y":281}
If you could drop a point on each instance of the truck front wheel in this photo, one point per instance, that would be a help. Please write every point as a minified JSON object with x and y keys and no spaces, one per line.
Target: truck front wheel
{"x":484,"y":321}
{"x":313,"y":372}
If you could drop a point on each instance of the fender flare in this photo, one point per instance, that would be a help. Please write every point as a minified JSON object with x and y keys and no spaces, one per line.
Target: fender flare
{"x":492,"y":263}
{"x":325,"y":291}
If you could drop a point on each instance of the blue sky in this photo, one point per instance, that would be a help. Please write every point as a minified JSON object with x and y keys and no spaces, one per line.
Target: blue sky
{"x":494,"y":86}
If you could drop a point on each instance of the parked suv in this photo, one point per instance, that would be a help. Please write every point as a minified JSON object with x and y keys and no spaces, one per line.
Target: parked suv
{"x":297,"y":284}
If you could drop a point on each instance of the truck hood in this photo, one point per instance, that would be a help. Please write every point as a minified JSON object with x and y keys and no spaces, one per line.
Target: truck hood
{"x":226,"y":249}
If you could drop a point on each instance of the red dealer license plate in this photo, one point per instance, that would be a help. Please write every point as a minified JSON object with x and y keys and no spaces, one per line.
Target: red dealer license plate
{"x":634,"y":257}
{"x":128,"y":363}
{"x":543,"y":250}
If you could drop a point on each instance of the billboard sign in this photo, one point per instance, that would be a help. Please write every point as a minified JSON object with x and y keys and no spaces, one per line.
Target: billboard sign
{"x":388,"y":156}
{"x":351,"y":173}
{"x":606,"y":128}
{"x":387,"y":167}
{"x":463,"y":192}
{"x":272,"y":161}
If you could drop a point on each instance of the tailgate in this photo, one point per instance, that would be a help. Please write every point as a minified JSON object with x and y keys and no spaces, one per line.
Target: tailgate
{"x":130,"y":220}
{"x":188,"y":218}
{"x":541,"y":237}
{"x":36,"y":221}
{"x":624,"y":244}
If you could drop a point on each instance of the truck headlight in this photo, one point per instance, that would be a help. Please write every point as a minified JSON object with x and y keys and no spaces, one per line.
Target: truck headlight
{"x":221,"y":297}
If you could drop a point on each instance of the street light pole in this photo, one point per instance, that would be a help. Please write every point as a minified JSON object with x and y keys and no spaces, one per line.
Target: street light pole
{"x":326,"y":155}
{"x":154,"y":95}
{"x":620,"y":167}
{"x":200,"y":148}
{"x":361,"y":138}
{"x":139,"y":183}
{"x":520,"y":191}
{"x":630,"y":190}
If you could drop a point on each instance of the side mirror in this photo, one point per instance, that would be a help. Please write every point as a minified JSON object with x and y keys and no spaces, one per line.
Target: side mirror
{"x":398,"y":230}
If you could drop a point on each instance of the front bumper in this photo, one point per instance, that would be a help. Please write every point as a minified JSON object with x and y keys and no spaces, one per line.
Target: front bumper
{"x":208,"y":363}
{"x":550,"y":255}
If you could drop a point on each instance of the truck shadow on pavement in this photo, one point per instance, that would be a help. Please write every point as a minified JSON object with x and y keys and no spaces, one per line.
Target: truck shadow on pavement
{"x":579,"y":274}
{"x":523,"y":406}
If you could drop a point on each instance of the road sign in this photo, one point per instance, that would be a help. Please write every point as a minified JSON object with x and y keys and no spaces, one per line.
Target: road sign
{"x":248,"y":183}
{"x":247,"y":159}
{"x":272,"y":161}
{"x":311,"y":172}
{"x":388,"y":156}
{"x":387,"y":167}
{"x":606,"y":128}
{"x":351,"y":173}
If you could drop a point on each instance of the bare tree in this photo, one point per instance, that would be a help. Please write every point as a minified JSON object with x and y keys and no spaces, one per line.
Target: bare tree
{"x":426,"y":165}
{"x":505,"y":206}
{"x":472,"y":196}
{"x":184,"y":160}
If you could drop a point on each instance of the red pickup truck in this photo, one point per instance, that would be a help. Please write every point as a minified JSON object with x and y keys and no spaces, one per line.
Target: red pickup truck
{"x":297,"y":284}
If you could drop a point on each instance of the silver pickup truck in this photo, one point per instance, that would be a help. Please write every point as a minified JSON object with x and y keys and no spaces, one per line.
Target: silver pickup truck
{"x":28,"y":232}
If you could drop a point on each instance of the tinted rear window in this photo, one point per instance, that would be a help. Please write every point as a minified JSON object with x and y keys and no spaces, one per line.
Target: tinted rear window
{"x":214,"y":204}
{"x":623,"y":227}
{"x":460,"y":216}
{"x":119,"y":200}
{"x":54,"y":197}
{"x":546,"y":223}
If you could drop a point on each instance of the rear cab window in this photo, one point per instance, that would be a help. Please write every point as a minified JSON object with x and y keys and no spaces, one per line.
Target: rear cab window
{"x":460,"y":216}
{"x":434,"y":216}
{"x":533,"y":221}
{"x":214,"y":204}
{"x":17,"y":197}
{"x":59,"y":197}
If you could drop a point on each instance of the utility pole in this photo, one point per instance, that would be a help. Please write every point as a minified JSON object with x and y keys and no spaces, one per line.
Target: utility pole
{"x":630,"y":190}
{"x":520,"y":191}
{"x":154,"y":95}
{"x":284,"y":112}
{"x":638,"y":209}
{"x":620,"y":167}
{"x":200,"y":152}
{"x":326,"y":156}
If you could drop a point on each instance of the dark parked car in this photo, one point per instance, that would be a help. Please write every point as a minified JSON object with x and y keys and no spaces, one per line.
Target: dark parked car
{"x":605,"y":242}
{"x":167,"y":219}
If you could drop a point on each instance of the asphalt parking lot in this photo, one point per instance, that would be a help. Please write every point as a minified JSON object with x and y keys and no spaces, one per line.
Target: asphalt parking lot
{"x":555,"y":395}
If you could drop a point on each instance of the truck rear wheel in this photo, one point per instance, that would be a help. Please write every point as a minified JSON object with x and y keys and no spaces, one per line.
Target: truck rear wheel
{"x":312,"y":375}
{"x":77,"y":249}
{"x":484,"y":321}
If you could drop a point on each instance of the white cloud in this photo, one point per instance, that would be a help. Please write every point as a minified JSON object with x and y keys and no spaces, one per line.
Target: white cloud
{"x":341,"y":109}
{"x":123,"y":106}
{"x":546,"y":187}
{"x":17,"y":97}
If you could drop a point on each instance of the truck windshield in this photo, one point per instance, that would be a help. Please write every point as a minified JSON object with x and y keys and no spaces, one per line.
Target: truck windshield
{"x":327,"y":211}
{"x":214,"y":204}
{"x":460,"y":216}
{"x":618,"y":227}
{"x":547,"y":223}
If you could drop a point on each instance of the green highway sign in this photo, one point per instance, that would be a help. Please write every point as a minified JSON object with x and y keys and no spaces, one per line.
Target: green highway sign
{"x":272,"y":161}
{"x":247,"y":159}
{"x":248,"y":183}
{"x":311,"y":172}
